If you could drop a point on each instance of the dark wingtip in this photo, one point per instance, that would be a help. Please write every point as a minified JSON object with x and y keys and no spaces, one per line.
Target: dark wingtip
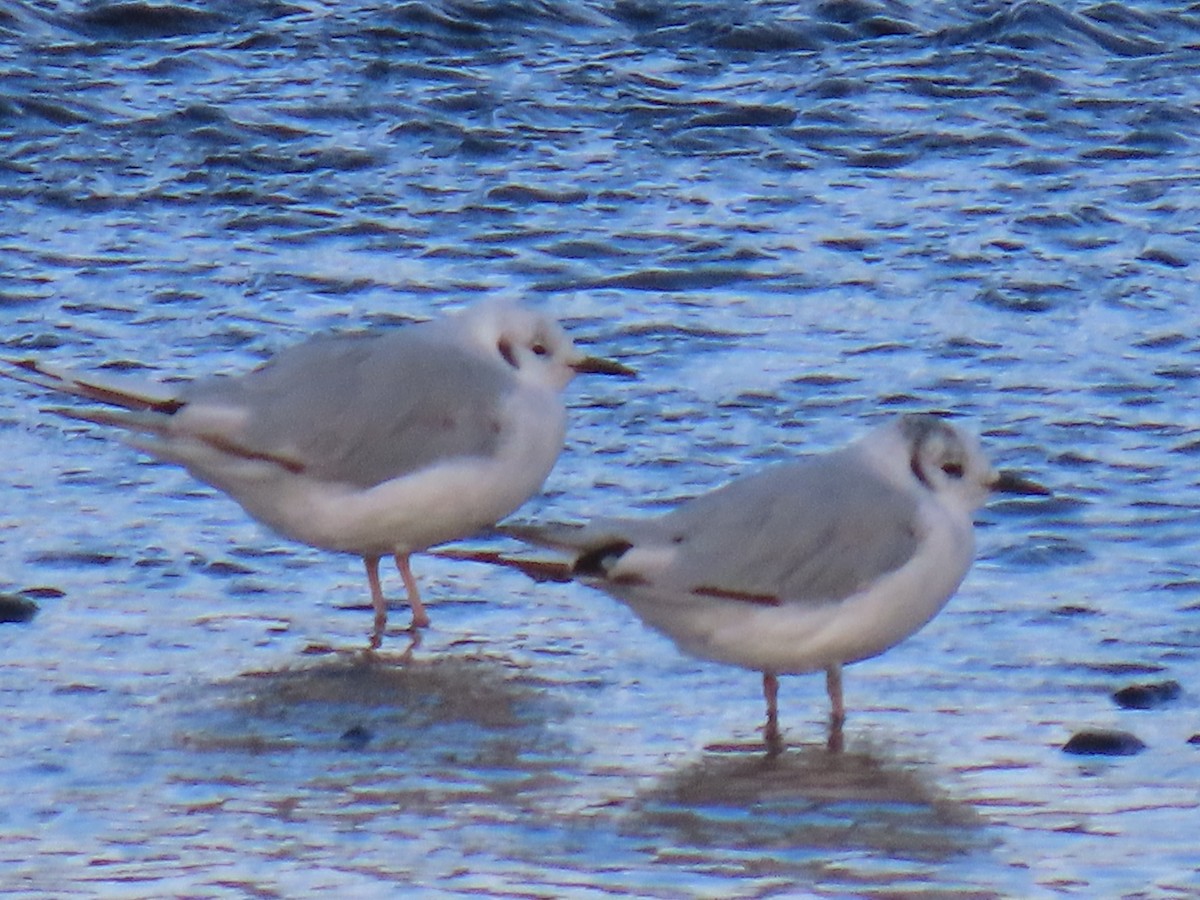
{"x":536,"y":569}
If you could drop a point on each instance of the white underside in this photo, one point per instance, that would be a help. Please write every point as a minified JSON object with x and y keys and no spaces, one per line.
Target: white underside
{"x":444,"y":502}
{"x":794,"y":637}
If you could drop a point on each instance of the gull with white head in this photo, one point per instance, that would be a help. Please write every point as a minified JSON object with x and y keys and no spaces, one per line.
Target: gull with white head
{"x":384,"y":443}
{"x":804,"y":566}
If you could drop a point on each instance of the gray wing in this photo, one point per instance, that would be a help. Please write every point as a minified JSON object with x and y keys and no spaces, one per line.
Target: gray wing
{"x":364,"y":409}
{"x":813,"y":531}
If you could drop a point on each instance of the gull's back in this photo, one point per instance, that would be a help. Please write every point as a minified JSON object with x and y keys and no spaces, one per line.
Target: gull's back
{"x":813,"y":531}
{"x":364,"y":409}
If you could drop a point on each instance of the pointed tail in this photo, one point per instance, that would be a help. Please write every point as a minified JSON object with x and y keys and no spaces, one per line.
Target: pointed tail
{"x":31,"y":372}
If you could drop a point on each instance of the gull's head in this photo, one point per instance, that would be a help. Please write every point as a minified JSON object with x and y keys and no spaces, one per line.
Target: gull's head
{"x":533,"y":345}
{"x":949,"y":462}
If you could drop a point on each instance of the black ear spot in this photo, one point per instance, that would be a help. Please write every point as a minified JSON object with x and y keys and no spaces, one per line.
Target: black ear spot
{"x":506,"y":350}
{"x":920,"y":429}
{"x":914,"y":463}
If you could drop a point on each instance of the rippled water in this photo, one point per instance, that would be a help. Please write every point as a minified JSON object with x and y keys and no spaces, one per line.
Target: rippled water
{"x":792,"y":218}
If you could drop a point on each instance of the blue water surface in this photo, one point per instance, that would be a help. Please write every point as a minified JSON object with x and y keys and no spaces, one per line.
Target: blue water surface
{"x":794,"y":219}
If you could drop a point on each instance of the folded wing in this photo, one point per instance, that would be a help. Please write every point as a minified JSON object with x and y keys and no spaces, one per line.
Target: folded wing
{"x":813,"y":532}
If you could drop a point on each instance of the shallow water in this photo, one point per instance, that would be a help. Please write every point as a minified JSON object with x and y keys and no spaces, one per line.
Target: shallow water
{"x":793,"y":219}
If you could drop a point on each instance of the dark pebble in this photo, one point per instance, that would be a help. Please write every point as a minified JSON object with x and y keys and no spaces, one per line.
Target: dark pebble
{"x":43,"y":593}
{"x":1194,"y":739}
{"x":1104,"y":743}
{"x":15,"y":608}
{"x":1147,"y":696}
{"x":356,"y":737}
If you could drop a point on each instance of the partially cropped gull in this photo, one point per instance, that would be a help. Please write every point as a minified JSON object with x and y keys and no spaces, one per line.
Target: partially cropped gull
{"x":802,"y":567}
{"x":379,"y":444}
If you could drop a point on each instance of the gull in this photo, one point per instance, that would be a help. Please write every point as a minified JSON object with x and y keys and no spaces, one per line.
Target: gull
{"x":801,"y":567}
{"x":383,"y":443}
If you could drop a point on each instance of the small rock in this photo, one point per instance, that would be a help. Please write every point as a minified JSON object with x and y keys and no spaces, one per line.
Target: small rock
{"x":1104,"y":743}
{"x":43,"y":592}
{"x":356,"y":737}
{"x":15,"y":608}
{"x":1147,"y":696}
{"x":1194,"y":739}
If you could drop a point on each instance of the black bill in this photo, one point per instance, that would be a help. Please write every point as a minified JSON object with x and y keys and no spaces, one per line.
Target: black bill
{"x":1012,"y":483}
{"x":596,"y":365}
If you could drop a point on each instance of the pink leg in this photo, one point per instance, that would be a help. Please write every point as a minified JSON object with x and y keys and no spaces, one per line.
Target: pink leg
{"x":377,"y":600}
{"x":420,"y":619}
{"x":837,"y":709}
{"x":771,"y":730}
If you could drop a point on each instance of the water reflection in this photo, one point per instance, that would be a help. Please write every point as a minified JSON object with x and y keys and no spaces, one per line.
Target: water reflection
{"x":380,"y":702}
{"x":806,"y":810}
{"x":386,"y":743}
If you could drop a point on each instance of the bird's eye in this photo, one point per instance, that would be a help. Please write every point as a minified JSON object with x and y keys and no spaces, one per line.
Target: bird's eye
{"x":540,"y":349}
{"x":953,"y":469}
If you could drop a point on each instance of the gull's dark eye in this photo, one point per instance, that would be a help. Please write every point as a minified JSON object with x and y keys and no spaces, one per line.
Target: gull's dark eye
{"x":540,"y":349}
{"x":953,"y":469}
